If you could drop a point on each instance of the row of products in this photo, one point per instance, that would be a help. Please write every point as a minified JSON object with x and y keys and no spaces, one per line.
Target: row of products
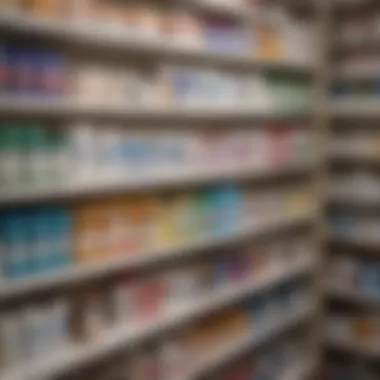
{"x":359,"y":91}
{"x":40,"y":240}
{"x":187,"y":86}
{"x":339,"y":371}
{"x":358,"y":25}
{"x":34,"y":241}
{"x":360,"y":142}
{"x":361,"y":228}
{"x":361,"y":328}
{"x":32,"y":332}
{"x":39,"y":156}
{"x":349,"y":273}
{"x":31,"y":71}
{"x":273,"y":362}
{"x":39,"y":72}
{"x":133,"y":302}
{"x":363,"y":184}
{"x":288,"y":39}
{"x":163,"y":362}
{"x":359,"y":63}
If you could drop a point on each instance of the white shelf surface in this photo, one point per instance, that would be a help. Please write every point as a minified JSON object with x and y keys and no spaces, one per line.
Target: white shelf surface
{"x":76,"y":356}
{"x":133,"y":185}
{"x":82,"y":273}
{"x":116,"y":38}
{"x":66,"y":107}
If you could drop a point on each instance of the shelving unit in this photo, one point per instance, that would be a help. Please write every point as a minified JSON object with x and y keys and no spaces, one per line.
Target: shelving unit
{"x":172,"y":181}
{"x":91,"y":36}
{"x":80,"y":273}
{"x":352,"y":201}
{"x":62,"y":108}
{"x":75,"y":356}
{"x":78,"y":356}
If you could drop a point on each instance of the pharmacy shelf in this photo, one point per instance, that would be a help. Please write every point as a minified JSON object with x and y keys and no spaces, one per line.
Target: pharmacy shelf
{"x":344,"y":5}
{"x":65,"y":107}
{"x":233,"y":351}
{"x":356,"y":157}
{"x":356,"y":76}
{"x":81,"y":273}
{"x":79,"y":355}
{"x":357,"y":241}
{"x":182,"y":179}
{"x":247,"y":13}
{"x":351,"y":198}
{"x":106,"y":37}
{"x":358,"y":44}
{"x":353,"y":296}
{"x":302,"y":370}
{"x":355,"y":108}
{"x":370,"y":350}
{"x":226,"y":8}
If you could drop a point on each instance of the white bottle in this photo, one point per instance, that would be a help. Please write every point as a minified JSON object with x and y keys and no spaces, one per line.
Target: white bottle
{"x":110,"y":140}
{"x":84,"y":152}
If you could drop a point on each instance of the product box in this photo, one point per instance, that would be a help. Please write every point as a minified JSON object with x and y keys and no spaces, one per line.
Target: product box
{"x":90,"y":232}
{"x":91,"y":315}
{"x":268,"y":42}
{"x":121,"y":302}
{"x":144,"y":215}
{"x":183,"y":28}
{"x":144,"y":363}
{"x":12,"y":156}
{"x":4,"y":76}
{"x":148,"y":299}
{"x":224,"y":212}
{"x":43,"y":251}
{"x":172,"y":359}
{"x":184,"y":218}
{"x":16,"y":235}
{"x":120,"y":231}
{"x":184,"y":285}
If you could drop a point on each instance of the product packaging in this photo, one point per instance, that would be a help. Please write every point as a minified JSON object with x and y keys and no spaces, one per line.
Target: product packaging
{"x":16,"y":235}
{"x":11,"y":339}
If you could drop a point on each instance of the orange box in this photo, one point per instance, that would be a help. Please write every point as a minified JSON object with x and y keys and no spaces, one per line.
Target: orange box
{"x":48,"y":8}
{"x":90,"y":232}
{"x":119,"y":234}
{"x":269,"y":44}
{"x":364,"y":328}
